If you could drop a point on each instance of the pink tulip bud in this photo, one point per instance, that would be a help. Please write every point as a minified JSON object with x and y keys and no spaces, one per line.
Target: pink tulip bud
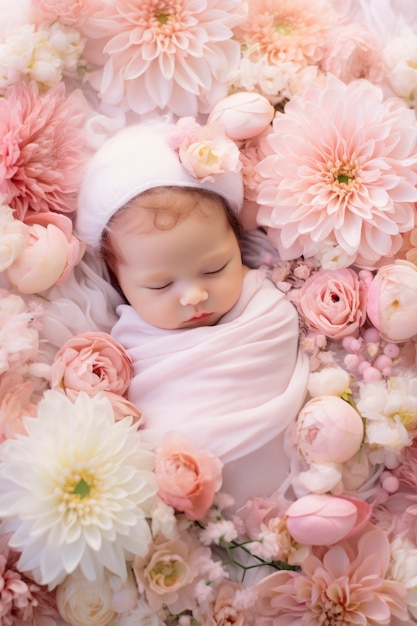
{"x":243,"y":115}
{"x":328,"y":430}
{"x":392,"y":301}
{"x":321,"y":519}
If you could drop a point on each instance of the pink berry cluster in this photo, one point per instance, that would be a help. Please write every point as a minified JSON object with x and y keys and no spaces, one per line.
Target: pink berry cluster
{"x":369,"y":355}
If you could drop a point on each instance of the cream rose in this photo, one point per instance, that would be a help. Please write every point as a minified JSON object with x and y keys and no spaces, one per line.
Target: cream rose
{"x":81,"y":601}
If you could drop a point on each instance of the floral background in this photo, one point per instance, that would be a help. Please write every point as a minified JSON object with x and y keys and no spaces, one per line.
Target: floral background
{"x":318,"y":99}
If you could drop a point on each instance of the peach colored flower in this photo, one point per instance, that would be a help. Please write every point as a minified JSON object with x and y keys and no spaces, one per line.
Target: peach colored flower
{"x":352,"y":52}
{"x":338,"y":179}
{"x":187,"y":477}
{"x":68,"y":12}
{"x":22,"y":601}
{"x":328,"y":430}
{"x":17,"y":400}
{"x":50,"y":254}
{"x":91,"y":362}
{"x":343,"y":584}
{"x":392,"y":301}
{"x":223,"y":610}
{"x":243,"y":115}
{"x":333,"y":302}
{"x":286,"y":30}
{"x":123,"y":408}
{"x":166,"y":53}
{"x":42,"y":151}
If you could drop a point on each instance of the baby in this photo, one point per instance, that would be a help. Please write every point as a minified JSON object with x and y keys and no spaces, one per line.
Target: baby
{"x":214,"y":344}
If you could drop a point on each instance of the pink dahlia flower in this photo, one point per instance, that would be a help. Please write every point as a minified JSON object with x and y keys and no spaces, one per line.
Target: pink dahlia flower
{"x":287,"y":30}
{"x":165,"y":53}
{"x":343,"y":584}
{"x":341,"y":173}
{"x":42,"y":152}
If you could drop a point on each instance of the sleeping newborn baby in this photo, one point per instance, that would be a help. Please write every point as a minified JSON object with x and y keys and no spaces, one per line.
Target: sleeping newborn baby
{"x":214,"y":344}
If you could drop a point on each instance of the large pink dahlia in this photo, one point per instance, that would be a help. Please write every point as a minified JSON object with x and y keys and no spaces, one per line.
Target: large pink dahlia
{"x":165,"y":53}
{"x":341,"y":174}
{"x":341,"y":585}
{"x":42,"y":152}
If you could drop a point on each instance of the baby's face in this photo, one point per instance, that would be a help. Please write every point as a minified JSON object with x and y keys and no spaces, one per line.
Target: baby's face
{"x":189,"y":274}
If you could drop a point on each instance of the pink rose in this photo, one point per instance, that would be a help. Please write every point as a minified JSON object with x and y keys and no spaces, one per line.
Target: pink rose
{"x":223,"y":610}
{"x":328,"y":430}
{"x":50,"y":254}
{"x":92,"y":362}
{"x":187,"y":477}
{"x":392,"y":301}
{"x":243,"y":115}
{"x":321,"y":519}
{"x":333,"y":302}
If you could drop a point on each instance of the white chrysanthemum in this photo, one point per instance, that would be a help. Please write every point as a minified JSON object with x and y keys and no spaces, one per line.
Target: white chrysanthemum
{"x":76,"y":490}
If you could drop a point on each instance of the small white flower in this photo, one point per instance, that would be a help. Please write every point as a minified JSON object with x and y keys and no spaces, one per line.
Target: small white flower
{"x":13,"y":237}
{"x":75,"y":492}
{"x":330,"y":381}
{"x":404,"y":569}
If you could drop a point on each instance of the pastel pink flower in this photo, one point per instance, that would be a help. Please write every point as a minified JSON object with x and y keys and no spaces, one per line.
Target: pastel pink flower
{"x":333,"y":302}
{"x":328,"y":430}
{"x":243,"y":115}
{"x":223,"y":610}
{"x":323,"y":520}
{"x":392,"y":301}
{"x":22,"y":601}
{"x":69,"y":12}
{"x":188,"y":477}
{"x":352,"y":52}
{"x":256,"y":512}
{"x":342,"y":172}
{"x":158,"y":54}
{"x":42,"y":151}
{"x":91,"y":362}
{"x":342,"y":584}
{"x":50,"y":254}
{"x":17,"y":400}
{"x":286,"y":30}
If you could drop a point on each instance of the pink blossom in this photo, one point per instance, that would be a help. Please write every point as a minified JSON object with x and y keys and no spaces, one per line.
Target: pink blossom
{"x":91,"y":362}
{"x":243,"y":115}
{"x":346,"y":584}
{"x":255,"y":512}
{"x":22,"y":601}
{"x":322,"y":520}
{"x":165,"y":53}
{"x":406,"y":471}
{"x":222,"y":609}
{"x":69,"y":12}
{"x":50,"y":254}
{"x":42,"y":152}
{"x":338,"y":179}
{"x":352,"y":52}
{"x":392,"y":301}
{"x":187,"y":477}
{"x":328,"y":430}
{"x":286,"y":30}
{"x":19,"y":337}
{"x":333,"y":302}
{"x":17,"y":400}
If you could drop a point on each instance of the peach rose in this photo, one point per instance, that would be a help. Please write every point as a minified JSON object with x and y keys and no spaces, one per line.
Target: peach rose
{"x":223,"y":610}
{"x":333,"y":302}
{"x":92,"y":362}
{"x":243,"y":115}
{"x":392,"y":301}
{"x":187,"y":477}
{"x":328,"y":430}
{"x":50,"y":254}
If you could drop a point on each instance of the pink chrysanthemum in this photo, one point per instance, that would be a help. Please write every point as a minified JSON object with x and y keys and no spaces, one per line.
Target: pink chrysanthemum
{"x":22,"y":601}
{"x":341,"y":173}
{"x":343,"y":584}
{"x":286,"y":30}
{"x":166,"y":53}
{"x":41,"y":148}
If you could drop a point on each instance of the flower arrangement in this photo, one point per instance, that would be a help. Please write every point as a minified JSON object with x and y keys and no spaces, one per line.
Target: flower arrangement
{"x":315,"y":103}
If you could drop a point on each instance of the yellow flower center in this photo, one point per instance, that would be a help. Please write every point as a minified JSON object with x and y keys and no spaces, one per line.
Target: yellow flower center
{"x":78,"y":491}
{"x":282,"y":29}
{"x":163,"y":18}
{"x":343,"y":176}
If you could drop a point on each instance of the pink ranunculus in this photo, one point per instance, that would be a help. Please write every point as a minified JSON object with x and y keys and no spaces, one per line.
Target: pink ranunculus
{"x":243,"y":115}
{"x":92,"y":362}
{"x":255,"y":512}
{"x":188,"y":477}
{"x":392,"y":301}
{"x":321,"y":519}
{"x":333,"y":302}
{"x":50,"y":254}
{"x":328,"y":430}
{"x":123,"y":408}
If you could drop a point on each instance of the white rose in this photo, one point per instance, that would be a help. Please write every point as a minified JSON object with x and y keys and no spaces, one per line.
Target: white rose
{"x":330,"y":381}
{"x":404,"y":569}
{"x":13,"y":237}
{"x":81,"y":602}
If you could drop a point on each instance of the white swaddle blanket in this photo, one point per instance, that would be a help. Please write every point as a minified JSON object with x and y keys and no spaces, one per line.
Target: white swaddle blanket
{"x":232,"y":388}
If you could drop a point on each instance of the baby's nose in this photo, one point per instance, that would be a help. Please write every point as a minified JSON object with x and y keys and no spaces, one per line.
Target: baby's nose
{"x":193,"y":295}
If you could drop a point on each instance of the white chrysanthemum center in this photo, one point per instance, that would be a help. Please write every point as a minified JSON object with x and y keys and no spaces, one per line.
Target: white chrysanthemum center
{"x":79,"y":491}
{"x":343,"y":176}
